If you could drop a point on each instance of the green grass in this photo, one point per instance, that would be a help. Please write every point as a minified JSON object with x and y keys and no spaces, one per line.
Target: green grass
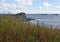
{"x":14,"y":30}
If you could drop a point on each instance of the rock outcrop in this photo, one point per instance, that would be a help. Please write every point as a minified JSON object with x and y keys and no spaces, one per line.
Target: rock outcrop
{"x":22,"y":16}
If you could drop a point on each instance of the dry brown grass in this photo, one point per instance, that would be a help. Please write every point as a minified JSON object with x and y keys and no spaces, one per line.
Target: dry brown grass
{"x":13,"y":30}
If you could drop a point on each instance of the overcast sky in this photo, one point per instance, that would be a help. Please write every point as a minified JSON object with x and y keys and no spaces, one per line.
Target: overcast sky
{"x":30,"y":6}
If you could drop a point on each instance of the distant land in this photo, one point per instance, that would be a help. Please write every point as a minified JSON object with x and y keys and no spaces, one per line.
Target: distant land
{"x":20,"y":16}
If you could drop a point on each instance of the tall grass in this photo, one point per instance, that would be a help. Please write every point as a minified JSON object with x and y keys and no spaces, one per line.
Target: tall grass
{"x":14,"y":30}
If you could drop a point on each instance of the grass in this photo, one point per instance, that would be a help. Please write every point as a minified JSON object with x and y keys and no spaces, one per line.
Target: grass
{"x":14,"y":30}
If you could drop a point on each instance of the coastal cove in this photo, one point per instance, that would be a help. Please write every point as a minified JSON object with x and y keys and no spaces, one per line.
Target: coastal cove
{"x":13,"y":28}
{"x":45,"y":19}
{"x":40,"y":19}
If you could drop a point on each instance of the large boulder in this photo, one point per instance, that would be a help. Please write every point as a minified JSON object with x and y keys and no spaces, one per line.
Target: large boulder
{"x":22,"y":16}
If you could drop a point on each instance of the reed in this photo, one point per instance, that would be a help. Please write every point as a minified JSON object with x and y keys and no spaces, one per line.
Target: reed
{"x":14,"y":30}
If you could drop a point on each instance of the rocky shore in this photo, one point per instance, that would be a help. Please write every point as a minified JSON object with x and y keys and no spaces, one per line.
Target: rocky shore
{"x":21,"y":16}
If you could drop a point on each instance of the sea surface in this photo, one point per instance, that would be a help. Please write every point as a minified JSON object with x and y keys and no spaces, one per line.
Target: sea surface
{"x":45,"y":19}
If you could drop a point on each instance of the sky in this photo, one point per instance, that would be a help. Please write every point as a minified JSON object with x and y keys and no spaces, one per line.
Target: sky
{"x":30,"y":6}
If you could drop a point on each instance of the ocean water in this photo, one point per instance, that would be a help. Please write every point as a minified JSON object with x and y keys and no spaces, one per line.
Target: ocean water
{"x":46,"y":19}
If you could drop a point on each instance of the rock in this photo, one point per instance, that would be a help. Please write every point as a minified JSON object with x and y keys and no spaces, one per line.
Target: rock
{"x":20,"y":16}
{"x":23,"y":17}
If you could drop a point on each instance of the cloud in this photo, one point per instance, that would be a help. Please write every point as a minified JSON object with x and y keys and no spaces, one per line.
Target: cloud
{"x":28,"y":6}
{"x":23,"y":2}
{"x":57,"y":6}
{"x":3,"y":0}
{"x":4,"y":7}
{"x":46,"y":4}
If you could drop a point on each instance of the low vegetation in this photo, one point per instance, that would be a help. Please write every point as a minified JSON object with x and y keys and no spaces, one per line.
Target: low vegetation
{"x":14,"y":30}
